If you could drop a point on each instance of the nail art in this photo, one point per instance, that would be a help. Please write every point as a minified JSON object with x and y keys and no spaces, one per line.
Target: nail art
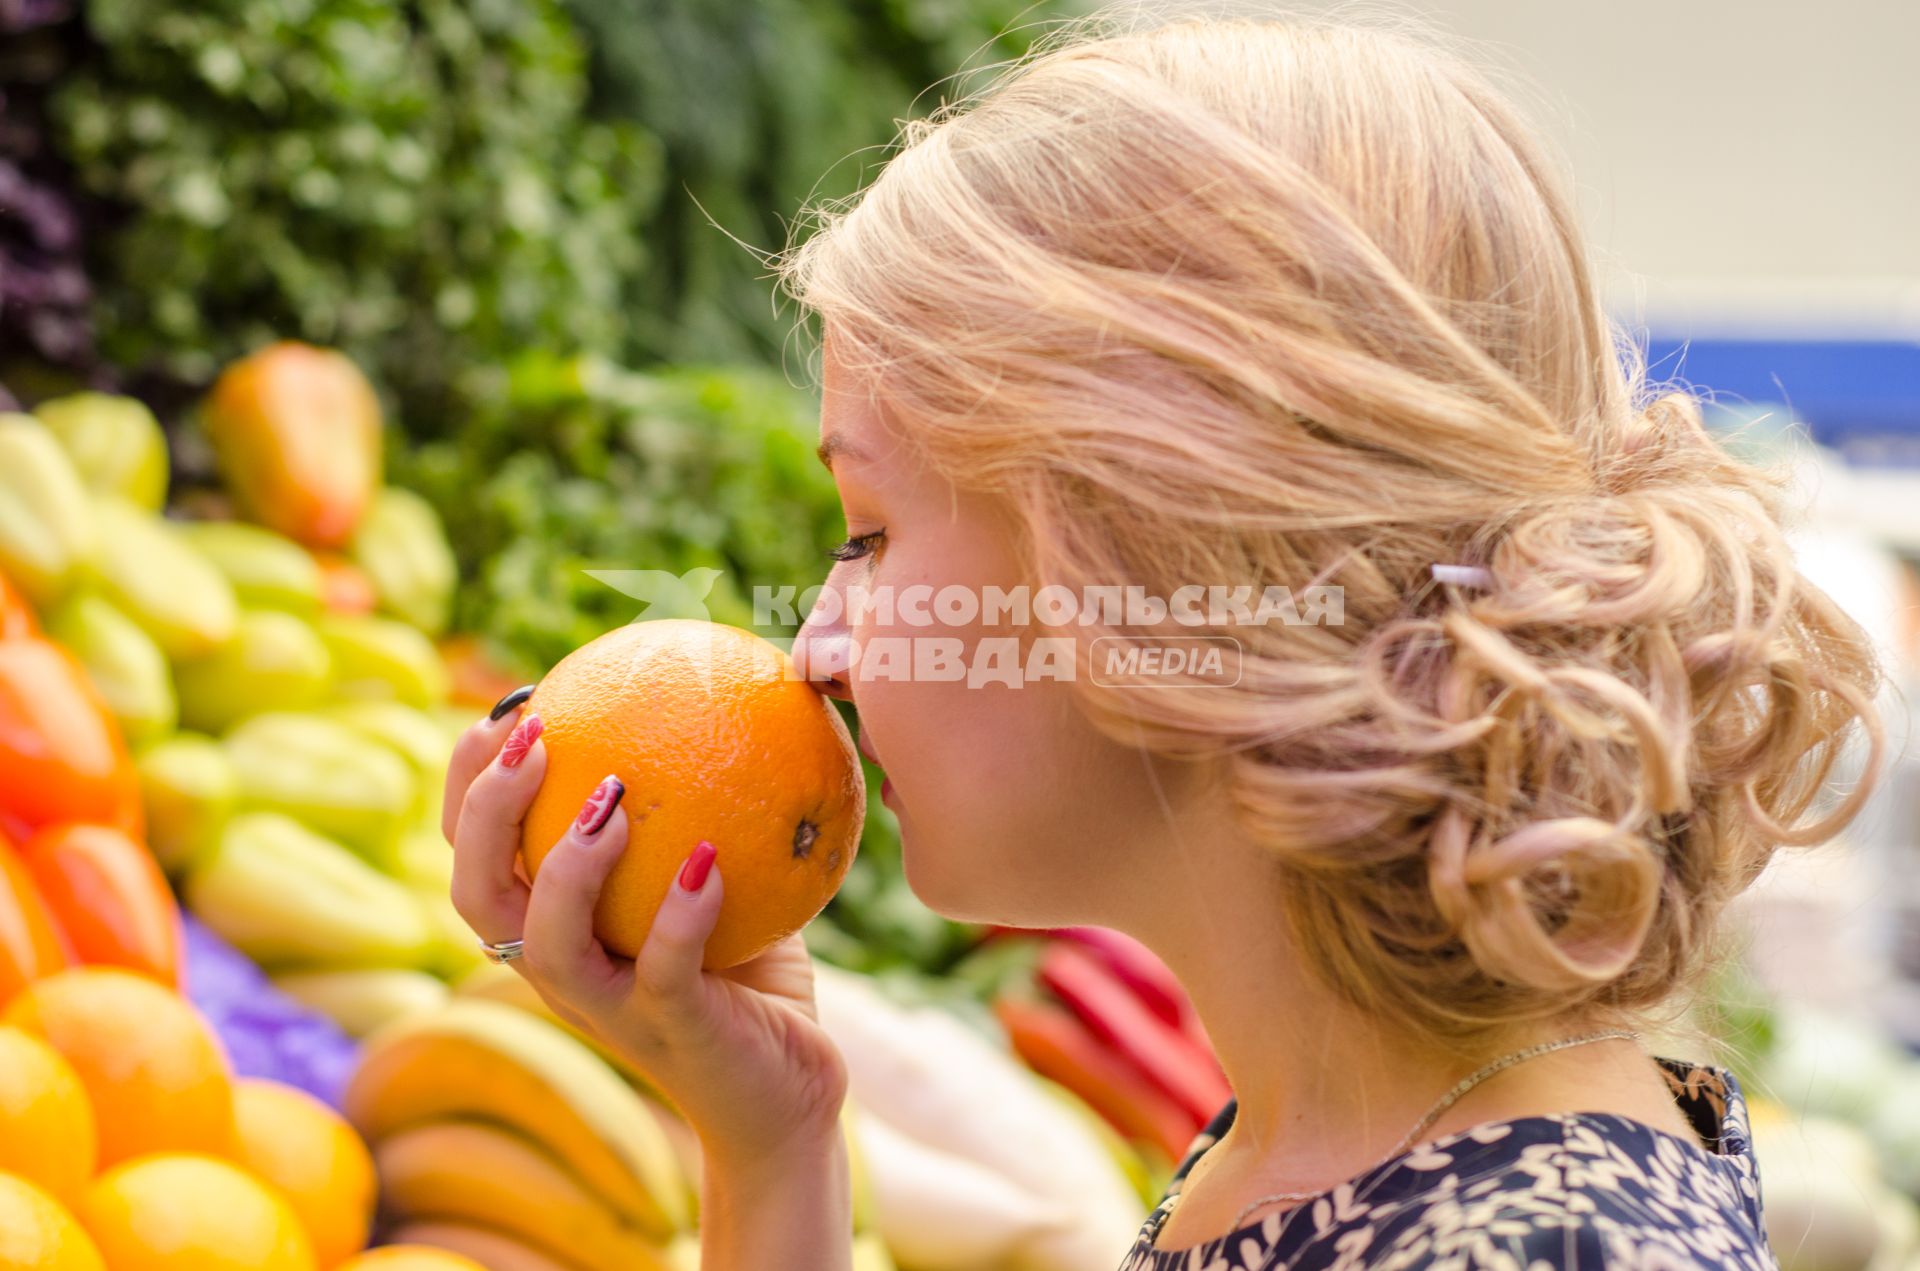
{"x":520,"y":741}
{"x":598,"y":809}
{"x":510,"y":701}
{"x":693,"y":875}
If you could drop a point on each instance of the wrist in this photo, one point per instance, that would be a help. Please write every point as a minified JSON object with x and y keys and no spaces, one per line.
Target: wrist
{"x":791,"y":1207}
{"x":796,"y":1155}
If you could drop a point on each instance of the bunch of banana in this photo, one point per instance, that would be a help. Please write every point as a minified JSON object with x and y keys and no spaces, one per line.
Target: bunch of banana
{"x":500,"y":1135}
{"x":483,"y":1116}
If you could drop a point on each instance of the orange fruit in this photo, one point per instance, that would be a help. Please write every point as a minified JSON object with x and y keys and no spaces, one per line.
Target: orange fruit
{"x":301,"y":1146}
{"x":46,"y":1120}
{"x":182,"y":1211}
{"x":154,"y":1071}
{"x":37,"y":1233}
{"x":409,"y":1258}
{"x":715,"y":738}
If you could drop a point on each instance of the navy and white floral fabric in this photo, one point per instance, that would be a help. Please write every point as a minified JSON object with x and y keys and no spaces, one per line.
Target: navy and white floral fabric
{"x":1577,"y":1189}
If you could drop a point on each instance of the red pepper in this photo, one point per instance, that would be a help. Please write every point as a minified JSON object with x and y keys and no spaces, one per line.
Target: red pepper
{"x":62,"y":757}
{"x":1057,"y":1046}
{"x":31,"y":944}
{"x":109,"y":897}
{"x":1165,"y":1055}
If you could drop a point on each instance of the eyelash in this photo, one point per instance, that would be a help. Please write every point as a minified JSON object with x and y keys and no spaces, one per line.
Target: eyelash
{"x":856,"y":547}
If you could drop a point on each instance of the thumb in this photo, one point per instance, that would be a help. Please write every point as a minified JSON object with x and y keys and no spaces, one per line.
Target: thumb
{"x":668,"y":967}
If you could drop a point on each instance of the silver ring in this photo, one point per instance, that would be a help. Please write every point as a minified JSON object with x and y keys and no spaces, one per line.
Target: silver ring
{"x":505,"y":951}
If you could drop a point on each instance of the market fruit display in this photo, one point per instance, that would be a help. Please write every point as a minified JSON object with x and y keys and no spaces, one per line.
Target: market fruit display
{"x":716,"y":738}
{"x":298,"y":815}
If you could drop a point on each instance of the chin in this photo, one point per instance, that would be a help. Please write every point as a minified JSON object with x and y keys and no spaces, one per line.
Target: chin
{"x":956,"y":899}
{"x":977,"y":892}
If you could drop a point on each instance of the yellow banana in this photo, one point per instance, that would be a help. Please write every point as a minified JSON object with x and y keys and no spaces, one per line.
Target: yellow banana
{"x":492,"y":1062}
{"x":474,"y":1172}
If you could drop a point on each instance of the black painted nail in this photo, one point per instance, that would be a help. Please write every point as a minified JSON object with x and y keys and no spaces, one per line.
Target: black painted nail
{"x":510,"y":701}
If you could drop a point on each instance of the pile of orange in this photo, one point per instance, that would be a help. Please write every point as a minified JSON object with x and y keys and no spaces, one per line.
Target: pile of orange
{"x":126,"y":1143}
{"x":715,"y":738}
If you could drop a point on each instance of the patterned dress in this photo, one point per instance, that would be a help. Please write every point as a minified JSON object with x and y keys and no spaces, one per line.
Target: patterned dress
{"x":1576,"y":1189}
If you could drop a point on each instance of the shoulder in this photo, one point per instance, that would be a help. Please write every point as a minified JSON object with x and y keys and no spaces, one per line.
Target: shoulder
{"x":1572,"y":1190}
{"x":1578,"y":1190}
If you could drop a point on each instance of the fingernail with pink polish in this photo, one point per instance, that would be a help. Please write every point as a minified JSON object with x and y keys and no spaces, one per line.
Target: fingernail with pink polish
{"x":693,"y":875}
{"x":598,"y":809}
{"x":520,"y":741}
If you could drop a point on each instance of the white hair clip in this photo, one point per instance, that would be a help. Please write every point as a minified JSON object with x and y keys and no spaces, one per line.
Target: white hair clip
{"x":1463,"y":575}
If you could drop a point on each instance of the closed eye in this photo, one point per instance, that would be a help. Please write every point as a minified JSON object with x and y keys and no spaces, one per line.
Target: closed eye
{"x":857,"y":546}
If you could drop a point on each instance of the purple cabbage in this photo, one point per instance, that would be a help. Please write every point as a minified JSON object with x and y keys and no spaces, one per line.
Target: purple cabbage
{"x":266,"y":1033}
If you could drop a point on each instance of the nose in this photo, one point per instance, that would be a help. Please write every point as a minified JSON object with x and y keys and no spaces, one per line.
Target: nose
{"x":822,"y":654}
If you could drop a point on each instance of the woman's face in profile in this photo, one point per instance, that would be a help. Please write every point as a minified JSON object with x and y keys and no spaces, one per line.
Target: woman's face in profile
{"x":1013,"y":809}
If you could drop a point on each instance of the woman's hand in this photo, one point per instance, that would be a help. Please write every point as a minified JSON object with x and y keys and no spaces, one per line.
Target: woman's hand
{"x":740,"y":1052}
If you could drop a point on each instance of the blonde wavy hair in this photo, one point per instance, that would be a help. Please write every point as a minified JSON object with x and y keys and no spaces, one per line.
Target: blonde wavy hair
{"x":1283,"y":299}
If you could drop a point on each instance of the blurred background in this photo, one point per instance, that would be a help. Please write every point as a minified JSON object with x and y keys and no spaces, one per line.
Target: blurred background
{"x":518,"y":218}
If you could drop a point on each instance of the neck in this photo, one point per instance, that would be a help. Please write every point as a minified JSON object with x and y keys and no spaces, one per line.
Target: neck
{"x":1323,"y":1090}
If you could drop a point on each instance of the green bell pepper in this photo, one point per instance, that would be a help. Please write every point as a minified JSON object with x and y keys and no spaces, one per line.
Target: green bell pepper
{"x":172,"y":591}
{"x":47,"y":529}
{"x":267,"y":570}
{"x":275,"y":662}
{"x":188,"y":787}
{"x":327,"y":775}
{"x":122,"y":661}
{"x":403,"y":548}
{"x":288,"y":897}
{"x":115,"y":443}
{"x":381,"y":658}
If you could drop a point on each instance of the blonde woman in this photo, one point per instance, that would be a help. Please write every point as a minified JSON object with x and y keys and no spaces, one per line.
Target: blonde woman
{"x":1200,"y":301}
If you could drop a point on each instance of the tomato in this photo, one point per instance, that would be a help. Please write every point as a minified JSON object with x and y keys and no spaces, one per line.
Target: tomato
{"x":31,"y":944}
{"x":62,"y":757}
{"x":109,"y":897}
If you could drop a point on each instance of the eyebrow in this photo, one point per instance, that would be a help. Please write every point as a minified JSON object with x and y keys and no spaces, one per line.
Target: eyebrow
{"x":837,"y":444}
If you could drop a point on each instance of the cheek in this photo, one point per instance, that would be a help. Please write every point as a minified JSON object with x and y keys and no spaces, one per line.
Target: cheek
{"x":1012,"y":809}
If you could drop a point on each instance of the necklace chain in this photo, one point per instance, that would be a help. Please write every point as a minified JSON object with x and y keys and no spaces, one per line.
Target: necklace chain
{"x":1446,"y":1101}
